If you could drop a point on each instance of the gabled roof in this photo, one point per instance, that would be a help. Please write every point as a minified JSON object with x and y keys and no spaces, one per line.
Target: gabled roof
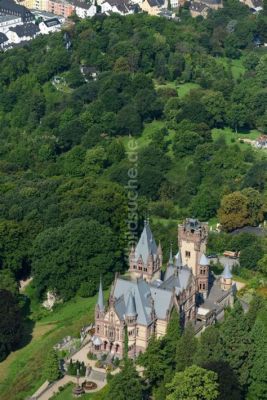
{"x":3,"y":38}
{"x":131,"y":308}
{"x":51,"y":22}
{"x":146,"y":245}
{"x":25,"y":30}
{"x":10,"y":7}
{"x":178,"y":281}
{"x":142,"y":295}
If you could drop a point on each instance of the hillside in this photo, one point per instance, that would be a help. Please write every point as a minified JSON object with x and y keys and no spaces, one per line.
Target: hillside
{"x":185,"y":92}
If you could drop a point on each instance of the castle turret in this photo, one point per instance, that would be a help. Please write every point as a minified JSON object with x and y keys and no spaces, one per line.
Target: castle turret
{"x":131,"y":313}
{"x":192,"y":240}
{"x":226,"y":278}
{"x":178,"y":260}
{"x":100,"y":299}
{"x":146,"y":258}
{"x":203,"y":275}
{"x":171,"y":257}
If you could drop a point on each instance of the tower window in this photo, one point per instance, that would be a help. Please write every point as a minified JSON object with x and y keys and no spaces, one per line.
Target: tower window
{"x":187,"y":254}
{"x":204,"y":286}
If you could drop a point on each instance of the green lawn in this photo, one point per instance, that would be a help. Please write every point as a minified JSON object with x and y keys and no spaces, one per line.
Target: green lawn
{"x":236,"y":66}
{"x":144,"y":139}
{"x":231,"y":137}
{"x":66,"y":394}
{"x":21,"y":373}
{"x":182,"y":89}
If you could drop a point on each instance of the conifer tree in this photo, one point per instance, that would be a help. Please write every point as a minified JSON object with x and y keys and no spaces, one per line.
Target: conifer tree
{"x":235,"y":342}
{"x":52,"y":372}
{"x":186,"y":348}
{"x":258,"y":374}
{"x":209,"y":348}
{"x":172,"y":337}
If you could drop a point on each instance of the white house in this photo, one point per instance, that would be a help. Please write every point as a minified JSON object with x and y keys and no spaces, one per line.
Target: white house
{"x":122,"y":7}
{"x":22,"y":33}
{"x":7,"y":21}
{"x":50,"y":25}
{"x":84,"y":10}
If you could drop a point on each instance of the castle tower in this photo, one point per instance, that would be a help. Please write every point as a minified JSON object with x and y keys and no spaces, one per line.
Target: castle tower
{"x":203,"y":276}
{"x":192,"y":241}
{"x":226,"y":278}
{"x":146,"y":258}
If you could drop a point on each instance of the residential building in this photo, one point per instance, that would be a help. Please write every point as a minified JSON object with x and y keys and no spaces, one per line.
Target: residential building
{"x":49,"y":26}
{"x":198,"y":8}
{"x":9,"y":7}
{"x":22,"y":33}
{"x":153,"y":7}
{"x":122,"y":7}
{"x":84,"y":10}
{"x":7,"y":21}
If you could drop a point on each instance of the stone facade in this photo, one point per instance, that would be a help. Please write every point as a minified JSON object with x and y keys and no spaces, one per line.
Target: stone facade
{"x":141,"y":303}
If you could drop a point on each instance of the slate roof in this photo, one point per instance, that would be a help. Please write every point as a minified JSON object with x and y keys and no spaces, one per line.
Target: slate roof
{"x":146,"y":244}
{"x":25,"y":30}
{"x":204,"y":260}
{"x":143,"y":295}
{"x":131,"y":308}
{"x":199,"y":7}
{"x":226,"y":272}
{"x":178,"y":260}
{"x":3,"y":38}
{"x":122,"y":5}
{"x":51,"y":22}
{"x":179,"y":280}
{"x":100,"y":299}
{"x":156,"y":3}
{"x":10,"y":7}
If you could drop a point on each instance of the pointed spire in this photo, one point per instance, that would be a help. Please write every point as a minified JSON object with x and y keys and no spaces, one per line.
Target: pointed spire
{"x":227,"y":274}
{"x":100,"y":300}
{"x":131,"y":308}
{"x":178,"y":260}
{"x":204,"y":260}
{"x":159,"y":250}
{"x":171,"y":258}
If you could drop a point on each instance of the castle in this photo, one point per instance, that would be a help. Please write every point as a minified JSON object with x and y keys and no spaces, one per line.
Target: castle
{"x":142,"y":301}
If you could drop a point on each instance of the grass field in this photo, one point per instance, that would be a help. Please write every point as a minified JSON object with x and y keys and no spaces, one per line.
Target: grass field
{"x":66,"y":394}
{"x":236,"y":66}
{"x":22,"y":372}
{"x":233,"y":138}
{"x":182,"y":89}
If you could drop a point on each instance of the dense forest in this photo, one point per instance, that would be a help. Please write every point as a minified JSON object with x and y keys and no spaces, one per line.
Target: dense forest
{"x":185,"y":90}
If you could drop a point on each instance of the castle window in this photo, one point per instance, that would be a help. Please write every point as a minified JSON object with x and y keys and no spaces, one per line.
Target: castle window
{"x":137,"y":331}
{"x":200,"y":286}
{"x":134,"y":266}
{"x":97,"y":328}
{"x":187,"y":254}
{"x":145,"y":269}
{"x":140,"y":268}
{"x":204,"y":286}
